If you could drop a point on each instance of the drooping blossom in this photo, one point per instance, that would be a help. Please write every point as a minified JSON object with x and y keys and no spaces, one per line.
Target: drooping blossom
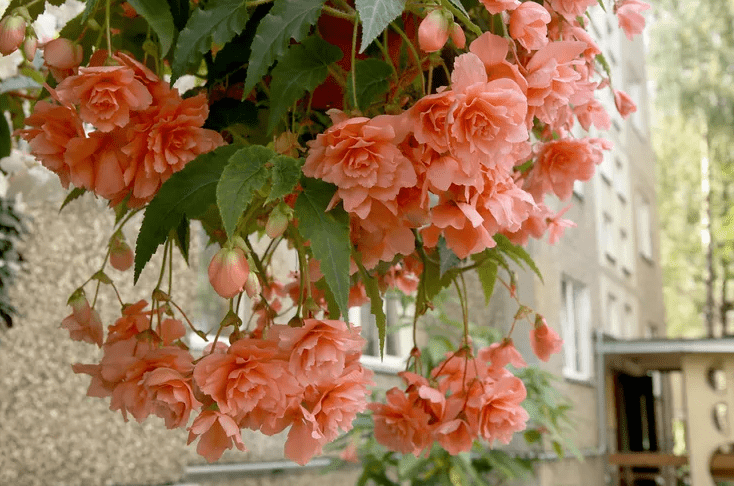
{"x":529,"y":25}
{"x":217,"y":432}
{"x":62,"y":57}
{"x":570,"y":9}
{"x":630,"y":17}
{"x":499,"y":6}
{"x":171,"y":396}
{"x":623,"y":102}
{"x":557,"y":225}
{"x":544,"y":340}
{"x":84,"y":323}
{"x":502,"y":353}
{"x":228,"y":271}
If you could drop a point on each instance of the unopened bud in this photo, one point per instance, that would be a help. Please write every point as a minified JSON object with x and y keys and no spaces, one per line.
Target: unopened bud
{"x":29,"y":47}
{"x":457,"y":36}
{"x":228,"y":271}
{"x":252,"y":286}
{"x":62,"y":53}
{"x":278,"y":221}
{"x":121,"y":255}
{"x":433,"y":31}
{"x":12,"y":33}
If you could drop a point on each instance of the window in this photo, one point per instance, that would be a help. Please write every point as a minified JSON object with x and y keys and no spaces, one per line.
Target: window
{"x":399,"y":337}
{"x":575,"y":325}
{"x":607,"y":237}
{"x":614,"y":324}
{"x":644,"y":228}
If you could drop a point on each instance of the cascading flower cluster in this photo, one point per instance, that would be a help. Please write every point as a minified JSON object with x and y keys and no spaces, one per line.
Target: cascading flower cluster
{"x":144,"y":131}
{"x":435,"y":160}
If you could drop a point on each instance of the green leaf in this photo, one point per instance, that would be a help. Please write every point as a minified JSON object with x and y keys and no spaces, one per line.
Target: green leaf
{"x":158,"y":15}
{"x":558,"y":448}
{"x":179,"y":12}
{"x":460,"y":6}
{"x":245,"y":173}
{"x":73,"y":194}
{"x":375,"y":16}
{"x":328,"y":233}
{"x":516,"y":252}
{"x":218,"y":23}
{"x":189,"y":193}
{"x":487,"y":276}
{"x":303,"y":68}
{"x":35,"y":9}
{"x":288,"y":19}
{"x":371,"y":76}
{"x":182,"y":237}
{"x":531,"y":436}
{"x":89,"y":9}
{"x":286,"y":172}
{"x":373,"y":292}
{"x":4,"y":136}
{"x":447,"y":258}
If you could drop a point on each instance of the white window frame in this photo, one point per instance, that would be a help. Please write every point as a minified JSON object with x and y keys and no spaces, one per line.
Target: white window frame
{"x":576,"y":329}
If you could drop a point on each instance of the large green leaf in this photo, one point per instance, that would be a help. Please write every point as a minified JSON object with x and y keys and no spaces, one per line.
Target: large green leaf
{"x":35,"y":9}
{"x":89,"y":9}
{"x":189,"y":192}
{"x":158,"y":15}
{"x":303,"y":68}
{"x":487,"y":273}
{"x":373,"y":292}
{"x":328,"y":234}
{"x":286,"y":172}
{"x":372,"y":79}
{"x":288,"y":19}
{"x":245,"y":173}
{"x":516,"y":253}
{"x":375,"y":16}
{"x":218,"y":23}
{"x":447,"y":258}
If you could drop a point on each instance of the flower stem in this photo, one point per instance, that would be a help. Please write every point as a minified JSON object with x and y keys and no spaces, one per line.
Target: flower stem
{"x":107,"y":27}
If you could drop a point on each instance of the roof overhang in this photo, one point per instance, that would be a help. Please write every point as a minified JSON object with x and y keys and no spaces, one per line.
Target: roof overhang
{"x":643,"y":355}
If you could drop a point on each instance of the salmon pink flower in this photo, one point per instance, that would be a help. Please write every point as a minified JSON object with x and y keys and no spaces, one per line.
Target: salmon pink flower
{"x":502,"y":353}
{"x":84,"y":323}
{"x":171,"y":396}
{"x":250,"y":383}
{"x":228,"y":271}
{"x":121,"y":255}
{"x":217,"y":432}
{"x":544,"y":340}
{"x":529,"y":25}
{"x":561,"y":162}
{"x":592,"y":113}
{"x":623,"y":102}
{"x":630,"y":18}
{"x":499,"y":6}
{"x":429,"y":120}
{"x":12,"y":33}
{"x":498,"y":412}
{"x":433,"y":31}
{"x":360,"y":156}
{"x":455,"y":436}
{"x":320,"y":349}
{"x":134,"y":320}
{"x":570,"y":9}
{"x":107,"y":95}
{"x":556,"y":226}
{"x":171,"y":330}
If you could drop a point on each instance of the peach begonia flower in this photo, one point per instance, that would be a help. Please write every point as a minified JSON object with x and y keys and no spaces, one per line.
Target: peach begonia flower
{"x":544,"y":340}
{"x":106,"y":95}
{"x":318,"y":351}
{"x":360,"y":156}
{"x":382,"y":236}
{"x":592,"y":113}
{"x":552,"y":76}
{"x":456,"y":370}
{"x":487,"y":119}
{"x":561,"y":162}
{"x":623,"y":102}
{"x":499,"y":6}
{"x":52,"y":126}
{"x":429,"y":120}
{"x":455,"y":436}
{"x":400,"y":425}
{"x":96,"y":163}
{"x":250,"y":380}
{"x":433,"y":31}
{"x":498,"y":412}
{"x":529,"y":25}
{"x":171,"y":396}
{"x":349,"y":453}
{"x":216,"y":432}
{"x":166,"y":138}
{"x":133,"y":321}
{"x":461,"y":226}
{"x":228,"y":271}
{"x":570,"y":9}
{"x":630,"y":18}
{"x":556,"y":226}
{"x":62,"y":57}
{"x":327,"y":410}
{"x":535,"y":226}
{"x":492,"y":50}
{"x":171,"y":330}
{"x":502,"y":353}
{"x":84,"y":323}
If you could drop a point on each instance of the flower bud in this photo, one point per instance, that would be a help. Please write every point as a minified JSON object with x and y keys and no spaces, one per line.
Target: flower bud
{"x":121,"y":256}
{"x":433,"y":31}
{"x":29,"y":47}
{"x":80,"y":306}
{"x":278,"y":221}
{"x":457,"y":36}
{"x":252,"y":286}
{"x":228,"y":271}
{"x":62,"y":53}
{"x":12,"y":32}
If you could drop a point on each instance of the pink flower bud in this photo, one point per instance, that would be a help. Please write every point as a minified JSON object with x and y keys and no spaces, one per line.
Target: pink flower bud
{"x":62,"y":53}
{"x":457,"y":36}
{"x":252,"y":286}
{"x":277,"y":222}
{"x":29,"y":47}
{"x":433,"y":31}
{"x":12,"y":32}
{"x":544,"y":340}
{"x":625,"y":105}
{"x":228,"y":271}
{"x":121,"y":255}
